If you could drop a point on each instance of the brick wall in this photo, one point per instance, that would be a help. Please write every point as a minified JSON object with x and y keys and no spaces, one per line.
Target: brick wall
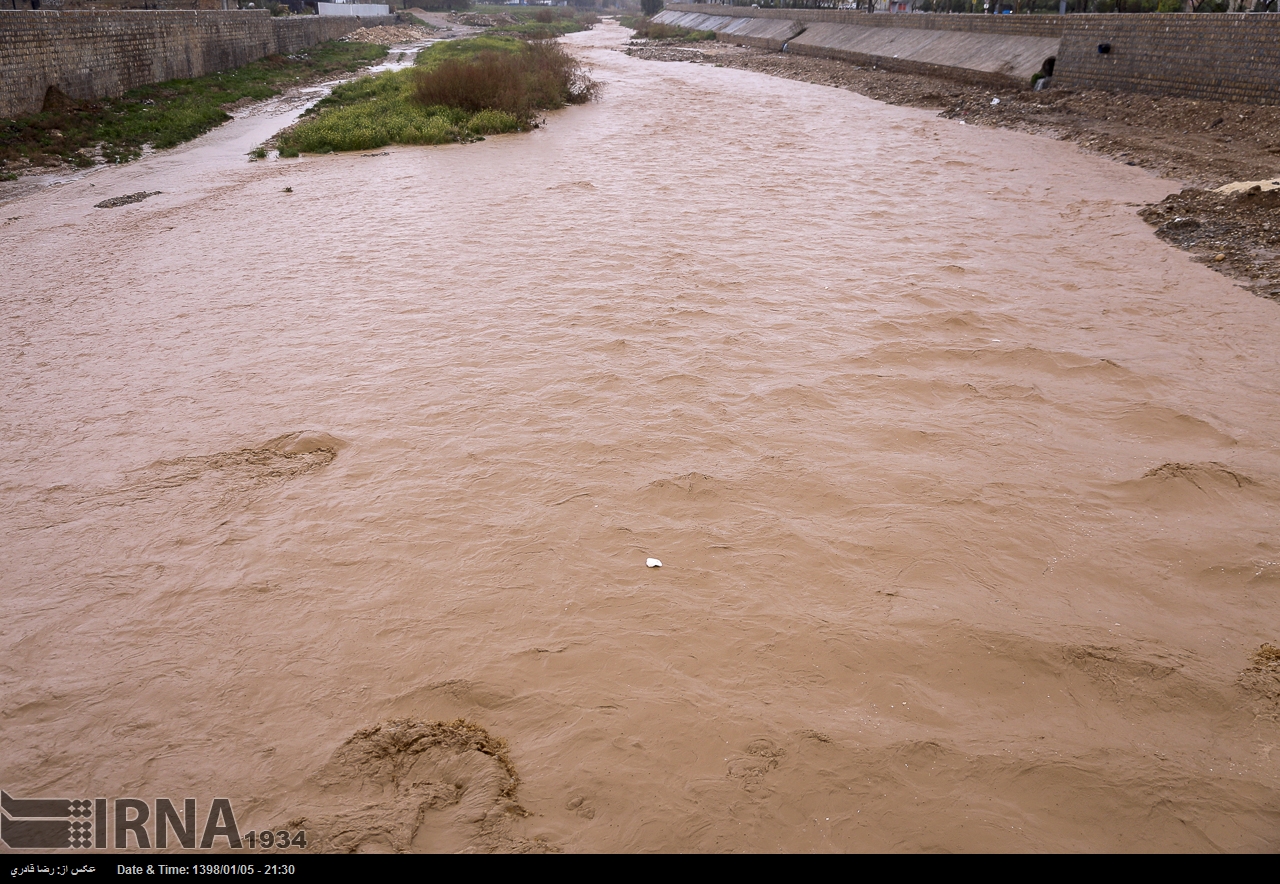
{"x":61,"y":5}
{"x":1222,"y":56}
{"x":1235,"y":57}
{"x":92,"y":54}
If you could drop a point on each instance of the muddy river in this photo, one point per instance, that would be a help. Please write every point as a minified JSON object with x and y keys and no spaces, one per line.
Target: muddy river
{"x":964,"y":487}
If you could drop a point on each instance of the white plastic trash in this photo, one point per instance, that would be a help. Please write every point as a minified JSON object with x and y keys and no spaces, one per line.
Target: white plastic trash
{"x":653,"y":563}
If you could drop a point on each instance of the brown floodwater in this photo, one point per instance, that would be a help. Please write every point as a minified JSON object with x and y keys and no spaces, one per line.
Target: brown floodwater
{"x":964,"y":487}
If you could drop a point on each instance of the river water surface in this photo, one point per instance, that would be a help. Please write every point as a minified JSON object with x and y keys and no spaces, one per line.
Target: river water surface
{"x":964,"y":487}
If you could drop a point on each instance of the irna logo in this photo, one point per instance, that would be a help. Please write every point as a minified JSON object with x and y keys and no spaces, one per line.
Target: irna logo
{"x":122,"y":823}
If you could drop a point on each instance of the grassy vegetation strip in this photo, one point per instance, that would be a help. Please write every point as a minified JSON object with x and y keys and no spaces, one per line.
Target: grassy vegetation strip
{"x":539,"y":22}
{"x":459,"y":90}
{"x":464,"y":50}
{"x":376,"y":111}
{"x":162,"y":114}
{"x":647,"y":29}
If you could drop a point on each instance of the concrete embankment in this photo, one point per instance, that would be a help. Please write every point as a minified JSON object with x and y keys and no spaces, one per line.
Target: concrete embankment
{"x":998,"y":59}
{"x":94,"y":54}
{"x":1220,"y":56}
{"x":763,"y":33}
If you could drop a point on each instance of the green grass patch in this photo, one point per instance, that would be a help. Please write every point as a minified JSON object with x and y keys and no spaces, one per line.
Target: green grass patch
{"x":376,"y":111}
{"x":164,"y":114}
{"x":541,"y":22}
{"x":465,"y":50}
{"x":536,"y":30}
{"x":460,"y":90}
{"x":646,"y":29}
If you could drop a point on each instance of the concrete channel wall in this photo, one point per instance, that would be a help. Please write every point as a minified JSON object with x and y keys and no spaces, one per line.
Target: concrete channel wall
{"x":995,"y":59}
{"x":1234,"y":57}
{"x":94,"y":54}
{"x":1003,"y":57}
{"x":762,"y":33}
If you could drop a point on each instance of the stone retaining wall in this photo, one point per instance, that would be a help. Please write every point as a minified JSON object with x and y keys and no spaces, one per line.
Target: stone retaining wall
{"x":63,"y":5}
{"x":1218,"y":56}
{"x":1233,"y":57}
{"x":106,"y":5}
{"x":93,"y":54}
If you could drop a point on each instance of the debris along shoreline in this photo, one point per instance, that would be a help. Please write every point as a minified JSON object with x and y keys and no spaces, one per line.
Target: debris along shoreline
{"x":1202,"y":144}
{"x":1236,"y":231}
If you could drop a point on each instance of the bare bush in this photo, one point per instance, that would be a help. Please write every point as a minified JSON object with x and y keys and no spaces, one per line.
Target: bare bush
{"x":542,"y":76}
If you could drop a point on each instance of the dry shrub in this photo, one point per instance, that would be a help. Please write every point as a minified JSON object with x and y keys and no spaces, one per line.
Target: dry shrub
{"x":1267,"y":657}
{"x":541,"y":76}
{"x":652,"y":30}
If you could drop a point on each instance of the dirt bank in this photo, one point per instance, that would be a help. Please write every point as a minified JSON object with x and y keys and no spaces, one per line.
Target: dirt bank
{"x":390,"y":35}
{"x":1204,"y":144}
{"x":1235,"y":233}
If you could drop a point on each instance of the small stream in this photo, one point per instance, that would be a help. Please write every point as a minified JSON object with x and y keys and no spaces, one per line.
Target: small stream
{"x":248,"y":127}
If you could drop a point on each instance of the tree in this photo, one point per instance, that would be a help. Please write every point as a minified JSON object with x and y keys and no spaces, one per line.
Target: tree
{"x":650,"y":7}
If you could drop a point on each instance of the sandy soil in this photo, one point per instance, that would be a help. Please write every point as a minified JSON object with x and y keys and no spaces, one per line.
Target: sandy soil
{"x":1203,"y":144}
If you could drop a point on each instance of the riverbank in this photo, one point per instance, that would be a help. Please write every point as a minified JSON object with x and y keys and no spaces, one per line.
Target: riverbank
{"x":70,"y":135}
{"x":1203,"y":144}
{"x":81,"y":134}
{"x":277,"y":98}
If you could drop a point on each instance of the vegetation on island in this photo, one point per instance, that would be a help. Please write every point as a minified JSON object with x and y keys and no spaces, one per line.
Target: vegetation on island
{"x":114,"y":130}
{"x":459,"y":90}
{"x":545,"y":22}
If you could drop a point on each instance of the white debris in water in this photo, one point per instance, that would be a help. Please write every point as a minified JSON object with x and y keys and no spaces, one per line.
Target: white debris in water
{"x":653,"y":563}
